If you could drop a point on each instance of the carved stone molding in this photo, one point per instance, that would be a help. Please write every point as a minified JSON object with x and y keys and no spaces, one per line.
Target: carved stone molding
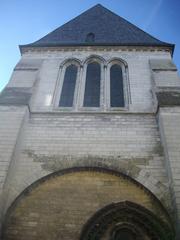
{"x":140,"y":222}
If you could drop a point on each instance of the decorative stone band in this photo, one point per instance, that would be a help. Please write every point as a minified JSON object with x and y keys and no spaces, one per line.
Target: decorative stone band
{"x":113,"y":47}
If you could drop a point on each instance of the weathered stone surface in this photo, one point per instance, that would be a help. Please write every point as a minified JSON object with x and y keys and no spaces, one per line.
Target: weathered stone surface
{"x":166,"y":79}
{"x":162,"y":64}
{"x":59,"y":207}
{"x":29,"y":64}
{"x":15,"y":96}
{"x":11,"y":121}
{"x":52,"y":140}
{"x":168,"y":96}
{"x":169,"y":124}
{"x":22,"y":79}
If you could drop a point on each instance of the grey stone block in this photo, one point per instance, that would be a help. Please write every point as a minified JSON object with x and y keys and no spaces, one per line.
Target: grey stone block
{"x":168,"y":96}
{"x":162,"y":64}
{"x":15,"y":96}
{"x":28,"y":64}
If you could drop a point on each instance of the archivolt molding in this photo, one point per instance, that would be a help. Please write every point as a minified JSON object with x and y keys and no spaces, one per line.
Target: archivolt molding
{"x":52,"y":166}
{"x":123,"y":213}
{"x":119,"y":61}
{"x":69,"y":61}
{"x":95,"y":58}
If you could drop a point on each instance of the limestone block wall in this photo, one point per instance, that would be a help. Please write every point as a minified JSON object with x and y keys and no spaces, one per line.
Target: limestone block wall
{"x":11,"y":119}
{"x":124,"y":142}
{"x":166,"y":86}
{"x":22,"y":83}
{"x":13,"y":111}
{"x":164,"y":73}
{"x":127,"y":141}
{"x":169,"y":121}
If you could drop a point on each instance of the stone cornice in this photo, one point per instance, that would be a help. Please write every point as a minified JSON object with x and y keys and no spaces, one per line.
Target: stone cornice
{"x":39,"y":49}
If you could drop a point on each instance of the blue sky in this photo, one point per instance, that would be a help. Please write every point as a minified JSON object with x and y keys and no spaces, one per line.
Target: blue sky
{"x":25,"y":21}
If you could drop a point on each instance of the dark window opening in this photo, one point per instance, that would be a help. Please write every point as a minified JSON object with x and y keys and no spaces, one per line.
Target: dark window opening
{"x":90,"y":37}
{"x":92,"y":87}
{"x":67,"y":93}
{"x":116,"y":86}
{"x":124,"y":234}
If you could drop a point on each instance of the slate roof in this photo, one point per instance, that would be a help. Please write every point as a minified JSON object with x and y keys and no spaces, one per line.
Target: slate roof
{"x":108,"y":28}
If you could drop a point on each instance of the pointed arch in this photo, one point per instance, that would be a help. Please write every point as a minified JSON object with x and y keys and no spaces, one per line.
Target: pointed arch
{"x":118,"y":60}
{"x":94,"y":58}
{"x":69,"y":61}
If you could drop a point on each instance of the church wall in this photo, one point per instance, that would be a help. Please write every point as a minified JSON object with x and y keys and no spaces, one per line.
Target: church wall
{"x":126,"y":141}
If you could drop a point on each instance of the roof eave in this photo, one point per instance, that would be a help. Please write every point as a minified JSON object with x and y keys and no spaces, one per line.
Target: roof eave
{"x":167,"y":45}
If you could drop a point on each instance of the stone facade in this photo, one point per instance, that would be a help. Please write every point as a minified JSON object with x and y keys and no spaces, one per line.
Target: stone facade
{"x":39,"y":139}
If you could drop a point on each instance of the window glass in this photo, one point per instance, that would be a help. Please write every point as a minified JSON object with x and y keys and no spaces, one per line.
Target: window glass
{"x":116,"y":86}
{"x":67,"y":93}
{"x":92,"y":87}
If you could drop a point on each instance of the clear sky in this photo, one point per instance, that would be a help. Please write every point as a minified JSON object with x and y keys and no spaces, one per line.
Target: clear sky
{"x":25,"y":21}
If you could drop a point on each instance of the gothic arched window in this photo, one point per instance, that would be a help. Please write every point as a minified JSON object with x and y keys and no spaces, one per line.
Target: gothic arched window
{"x":92,"y":86}
{"x":116,"y":86}
{"x":68,"y":88}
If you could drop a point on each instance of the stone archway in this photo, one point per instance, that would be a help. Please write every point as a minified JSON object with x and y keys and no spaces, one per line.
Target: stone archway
{"x":125,"y":220}
{"x":59,"y":205}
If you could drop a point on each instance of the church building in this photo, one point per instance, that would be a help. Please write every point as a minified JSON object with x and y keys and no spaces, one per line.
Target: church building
{"x":90,"y":135}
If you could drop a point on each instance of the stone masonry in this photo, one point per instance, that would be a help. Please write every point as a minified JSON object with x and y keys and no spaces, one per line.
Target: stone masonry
{"x":39,"y":139}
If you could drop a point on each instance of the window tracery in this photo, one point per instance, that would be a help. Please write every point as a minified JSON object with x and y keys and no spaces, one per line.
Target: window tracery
{"x":94,"y":85}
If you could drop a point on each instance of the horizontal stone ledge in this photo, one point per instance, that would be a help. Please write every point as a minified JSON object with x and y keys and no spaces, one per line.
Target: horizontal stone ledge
{"x":168,"y":96}
{"x":162,"y":64}
{"x":15,"y":96}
